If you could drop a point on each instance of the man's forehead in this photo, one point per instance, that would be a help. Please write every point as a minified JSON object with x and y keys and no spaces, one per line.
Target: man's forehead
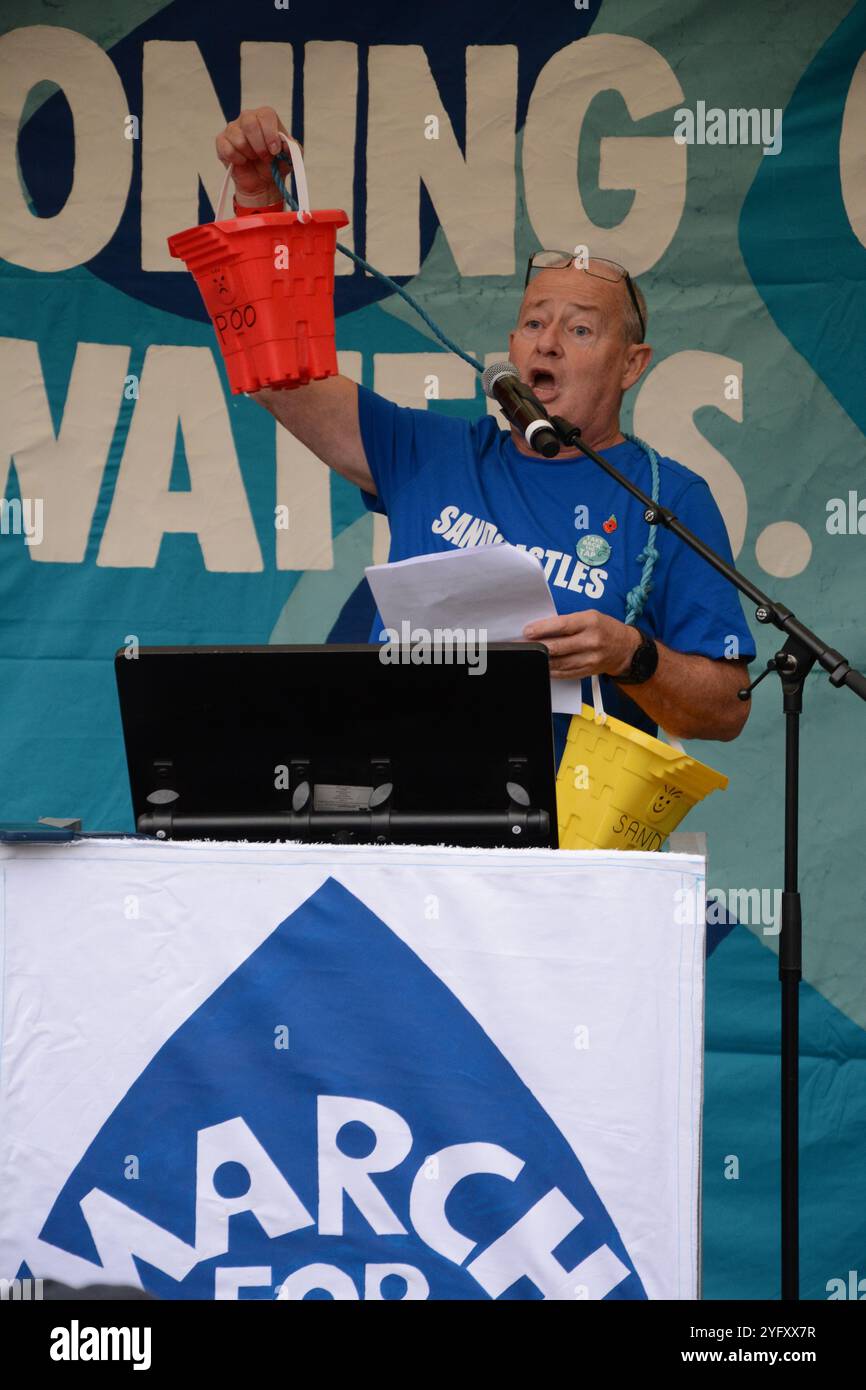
{"x":567,"y":280}
{"x":567,"y":287}
{"x":539,"y":302}
{"x":570,"y":288}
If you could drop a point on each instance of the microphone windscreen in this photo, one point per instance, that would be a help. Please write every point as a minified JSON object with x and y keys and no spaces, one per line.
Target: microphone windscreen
{"x":494,"y":372}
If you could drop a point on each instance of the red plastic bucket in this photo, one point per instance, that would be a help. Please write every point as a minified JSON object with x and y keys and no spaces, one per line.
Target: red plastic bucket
{"x":267,"y":282}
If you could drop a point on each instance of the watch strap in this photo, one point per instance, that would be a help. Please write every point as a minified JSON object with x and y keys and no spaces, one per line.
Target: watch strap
{"x":643,"y":663}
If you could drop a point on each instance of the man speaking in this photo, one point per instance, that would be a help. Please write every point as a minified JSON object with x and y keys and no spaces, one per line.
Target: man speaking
{"x":579,"y":343}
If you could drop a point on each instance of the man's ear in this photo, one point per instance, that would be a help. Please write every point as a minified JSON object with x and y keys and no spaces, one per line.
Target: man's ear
{"x":637,"y":360}
{"x":510,"y":341}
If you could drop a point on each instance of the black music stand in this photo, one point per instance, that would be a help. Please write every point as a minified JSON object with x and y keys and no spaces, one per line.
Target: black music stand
{"x":333,"y":744}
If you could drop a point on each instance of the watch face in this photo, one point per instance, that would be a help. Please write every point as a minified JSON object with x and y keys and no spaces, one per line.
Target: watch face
{"x":643,"y":663}
{"x":645,"y":659}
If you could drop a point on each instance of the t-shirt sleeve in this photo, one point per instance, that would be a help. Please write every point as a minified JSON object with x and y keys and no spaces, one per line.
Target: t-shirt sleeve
{"x":399,"y":441}
{"x":693,"y":608}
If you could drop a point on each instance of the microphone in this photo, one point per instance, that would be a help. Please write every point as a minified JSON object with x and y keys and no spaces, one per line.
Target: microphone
{"x":501,"y":382}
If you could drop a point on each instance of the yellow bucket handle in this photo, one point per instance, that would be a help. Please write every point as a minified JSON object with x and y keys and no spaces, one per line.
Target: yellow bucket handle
{"x":601,"y":716}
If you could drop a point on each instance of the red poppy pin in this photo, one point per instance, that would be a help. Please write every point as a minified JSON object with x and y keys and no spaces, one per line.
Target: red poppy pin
{"x":610,"y":524}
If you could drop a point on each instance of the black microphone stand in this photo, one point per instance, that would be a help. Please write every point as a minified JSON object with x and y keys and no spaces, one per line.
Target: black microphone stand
{"x":792,"y":664}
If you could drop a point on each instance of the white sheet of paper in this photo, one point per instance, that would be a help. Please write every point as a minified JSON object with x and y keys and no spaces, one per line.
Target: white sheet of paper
{"x":494,"y":588}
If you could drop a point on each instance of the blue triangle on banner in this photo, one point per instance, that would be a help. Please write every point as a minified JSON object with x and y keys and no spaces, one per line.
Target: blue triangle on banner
{"x":333,"y":1004}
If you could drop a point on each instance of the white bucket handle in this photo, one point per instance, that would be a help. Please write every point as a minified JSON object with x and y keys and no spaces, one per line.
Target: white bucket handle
{"x":300,"y":176}
{"x":601,"y":716}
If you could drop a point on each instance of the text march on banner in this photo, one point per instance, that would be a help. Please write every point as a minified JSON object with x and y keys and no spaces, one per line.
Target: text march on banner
{"x":279,"y":1072}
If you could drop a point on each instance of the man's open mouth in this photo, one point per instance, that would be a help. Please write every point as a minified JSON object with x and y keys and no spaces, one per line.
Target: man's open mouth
{"x":544,"y":384}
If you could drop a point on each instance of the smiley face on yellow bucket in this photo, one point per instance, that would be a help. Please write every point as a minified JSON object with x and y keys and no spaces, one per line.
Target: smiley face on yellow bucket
{"x":664,"y":800}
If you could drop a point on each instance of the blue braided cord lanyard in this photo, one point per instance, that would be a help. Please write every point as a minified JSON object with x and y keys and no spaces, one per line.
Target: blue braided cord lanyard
{"x":359,"y":260}
{"x":636,"y":598}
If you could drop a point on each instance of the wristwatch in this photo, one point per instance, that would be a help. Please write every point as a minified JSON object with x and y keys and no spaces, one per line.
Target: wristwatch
{"x":643,"y":662}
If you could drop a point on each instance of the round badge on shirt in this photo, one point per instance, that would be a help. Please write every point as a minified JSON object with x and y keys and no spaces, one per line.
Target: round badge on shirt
{"x":593,"y":550}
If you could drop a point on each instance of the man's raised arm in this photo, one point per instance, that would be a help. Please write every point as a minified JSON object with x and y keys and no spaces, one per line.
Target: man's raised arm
{"x":323,"y":414}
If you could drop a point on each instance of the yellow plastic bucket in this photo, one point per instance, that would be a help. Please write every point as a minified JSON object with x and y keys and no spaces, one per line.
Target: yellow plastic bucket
{"x":620,"y":788}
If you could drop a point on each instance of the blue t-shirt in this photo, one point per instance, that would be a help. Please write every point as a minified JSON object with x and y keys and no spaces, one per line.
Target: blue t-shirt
{"x":444,"y":482}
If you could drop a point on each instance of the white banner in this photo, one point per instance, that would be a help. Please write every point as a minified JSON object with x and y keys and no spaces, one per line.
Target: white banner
{"x":283,"y":1071}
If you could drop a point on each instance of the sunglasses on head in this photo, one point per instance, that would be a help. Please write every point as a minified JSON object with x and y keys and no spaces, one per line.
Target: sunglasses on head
{"x":602,"y":270}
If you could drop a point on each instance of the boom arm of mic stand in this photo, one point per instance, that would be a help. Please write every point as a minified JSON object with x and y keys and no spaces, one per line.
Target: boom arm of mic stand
{"x":840,"y":671}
